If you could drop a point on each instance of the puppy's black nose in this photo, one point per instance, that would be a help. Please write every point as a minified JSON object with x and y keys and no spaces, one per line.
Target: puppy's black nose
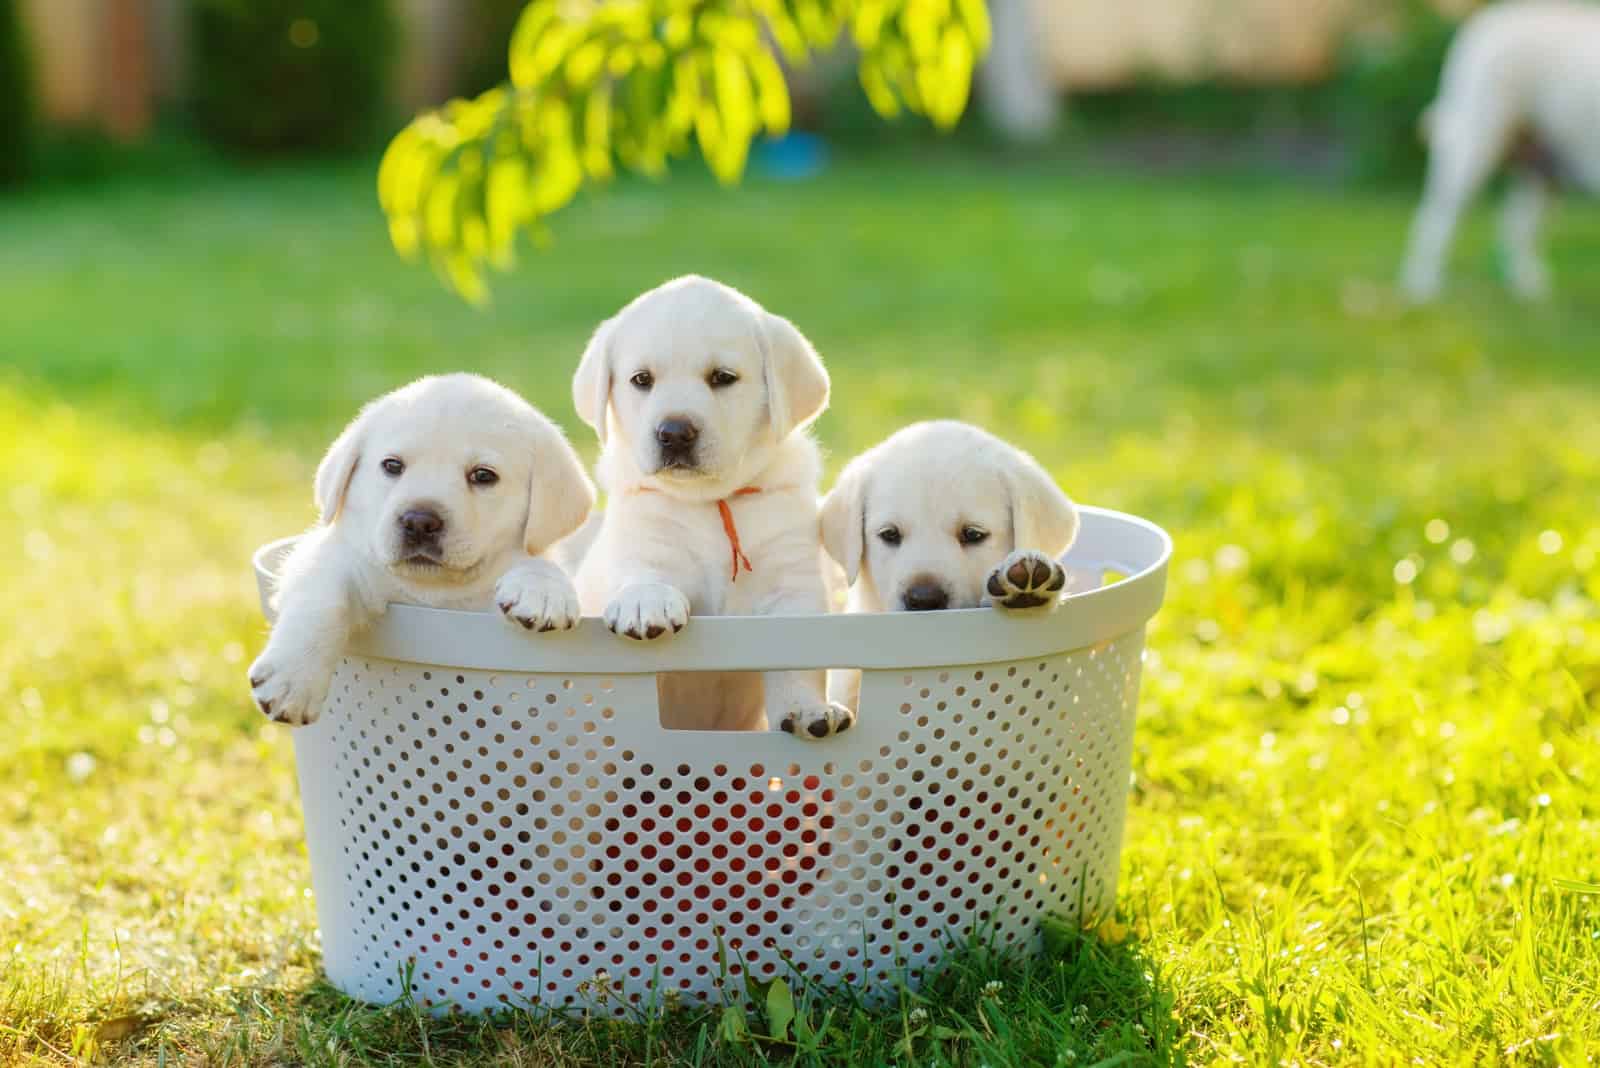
{"x":925,"y":597}
{"x":676,"y":435}
{"x":421,"y":524}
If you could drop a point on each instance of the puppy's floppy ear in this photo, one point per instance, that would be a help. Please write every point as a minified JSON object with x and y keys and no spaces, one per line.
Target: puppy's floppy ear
{"x":1042,"y":517}
{"x":338,"y":467}
{"x":591,"y":384}
{"x":844,"y":519}
{"x":797,"y":383}
{"x":560,"y":495}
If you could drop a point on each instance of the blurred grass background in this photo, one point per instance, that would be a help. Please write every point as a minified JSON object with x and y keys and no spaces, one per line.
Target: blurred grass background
{"x":1364,"y":816}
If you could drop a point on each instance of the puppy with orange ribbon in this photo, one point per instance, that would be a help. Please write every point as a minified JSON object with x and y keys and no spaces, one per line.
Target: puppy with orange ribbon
{"x":701,"y":399}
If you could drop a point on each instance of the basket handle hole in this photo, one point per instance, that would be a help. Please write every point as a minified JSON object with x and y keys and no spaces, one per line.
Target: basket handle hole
{"x":738,"y":701}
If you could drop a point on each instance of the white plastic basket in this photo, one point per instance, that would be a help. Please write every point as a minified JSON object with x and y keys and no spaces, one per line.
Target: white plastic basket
{"x":496,"y":817}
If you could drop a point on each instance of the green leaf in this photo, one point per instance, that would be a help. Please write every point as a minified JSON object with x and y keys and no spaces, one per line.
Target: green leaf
{"x":958,"y":66}
{"x":441,"y":211}
{"x":804,"y":1035}
{"x":732,"y":1029}
{"x":597,"y":124}
{"x":506,"y":200}
{"x":683,"y":102}
{"x":585,"y":63}
{"x":1576,"y":886}
{"x":531,"y":27}
{"x":678,"y":29}
{"x":975,"y":14}
{"x":772,"y":92}
{"x":785,"y":31}
{"x":595,"y":84}
{"x":867,"y":26}
{"x":921,"y":26}
{"x":734,"y":98}
{"x":876,"y":85}
{"x":780,"y":1009}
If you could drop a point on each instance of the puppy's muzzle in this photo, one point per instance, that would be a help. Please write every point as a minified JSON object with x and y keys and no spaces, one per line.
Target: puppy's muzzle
{"x":676,"y":438}
{"x":925,"y":595}
{"x":420,"y":531}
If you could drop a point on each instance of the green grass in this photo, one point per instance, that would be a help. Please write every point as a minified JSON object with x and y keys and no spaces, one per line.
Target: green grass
{"x":1364,"y":823}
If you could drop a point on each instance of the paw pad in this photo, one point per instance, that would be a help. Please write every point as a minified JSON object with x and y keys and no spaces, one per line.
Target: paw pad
{"x":1026,"y":579}
{"x":824,"y":722}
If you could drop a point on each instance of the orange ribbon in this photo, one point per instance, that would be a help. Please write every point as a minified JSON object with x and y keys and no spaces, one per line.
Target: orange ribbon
{"x":733,"y":532}
{"x":728,"y":527}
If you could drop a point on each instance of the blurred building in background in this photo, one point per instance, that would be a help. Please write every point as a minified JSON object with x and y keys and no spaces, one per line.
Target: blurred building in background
{"x":1104,"y":44}
{"x":114,"y":64}
{"x":104,"y":63}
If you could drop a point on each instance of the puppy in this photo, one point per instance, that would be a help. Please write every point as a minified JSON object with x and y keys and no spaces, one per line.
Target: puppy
{"x":944,"y":515}
{"x":701,"y":400}
{"x":442,"y":494}
{"x":1522,"y":79}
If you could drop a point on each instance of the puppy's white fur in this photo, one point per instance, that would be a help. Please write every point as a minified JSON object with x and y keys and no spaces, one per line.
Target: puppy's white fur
{"x":660,"y":553}
{"x":1525,"y":69}
{"x":357,"y":560}
{"x":946,"y":509}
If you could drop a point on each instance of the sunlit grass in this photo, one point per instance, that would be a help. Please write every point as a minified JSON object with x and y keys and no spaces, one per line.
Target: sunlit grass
{"x":1364,"y":811}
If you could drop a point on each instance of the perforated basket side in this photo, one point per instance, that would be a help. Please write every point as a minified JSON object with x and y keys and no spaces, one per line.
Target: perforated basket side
{"x":499,"y":831}
{"x":499,"y":839}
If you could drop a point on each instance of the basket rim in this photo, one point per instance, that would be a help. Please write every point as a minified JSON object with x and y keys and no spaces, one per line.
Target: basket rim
{"x":1135,"y":548}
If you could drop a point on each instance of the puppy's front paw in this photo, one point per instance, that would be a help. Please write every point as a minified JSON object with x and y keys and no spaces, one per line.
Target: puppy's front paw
{"x":1027,"y":579}
{"x":647,"y":611}
{"x":818,"y":721}
{"x":538,"y":599}
{"x":288,"y":694}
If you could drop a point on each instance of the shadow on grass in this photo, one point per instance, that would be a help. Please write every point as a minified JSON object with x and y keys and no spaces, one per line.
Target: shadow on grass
{"x":1082,"y":1002}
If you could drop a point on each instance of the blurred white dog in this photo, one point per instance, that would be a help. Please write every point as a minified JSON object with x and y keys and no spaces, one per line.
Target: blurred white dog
{"x":701,"y":399}
{"x":443,"y":493}
{"x":1521,"y":79}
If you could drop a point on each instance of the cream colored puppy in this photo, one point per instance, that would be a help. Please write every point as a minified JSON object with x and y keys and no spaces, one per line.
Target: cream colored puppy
{"x":1517,"y":74}
{"x":944,"y":515}
{"x":701,"y":399}
{"x":442,"y":493}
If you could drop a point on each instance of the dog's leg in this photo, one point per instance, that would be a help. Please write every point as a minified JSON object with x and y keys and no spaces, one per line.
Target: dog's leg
{"x":797,"y":701}
{"x":844,"y":684}
{"x":1519,"y":231}
{"x":645,"y":607}
{"x":1460,"y":158}
{"x":319,"y":607}
{"x":1431,"y":232}
{"x":844,"y":688}
{"x":537,"y":595}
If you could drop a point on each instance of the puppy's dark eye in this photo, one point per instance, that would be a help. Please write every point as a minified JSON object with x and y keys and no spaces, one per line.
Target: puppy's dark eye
{"x":392,"y":466}
{"x":889,"y":535}
{"x":721,"y":377}
{"x":644,"y":380}
{"x":971,"y":535}
{"x":482,"y":476}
